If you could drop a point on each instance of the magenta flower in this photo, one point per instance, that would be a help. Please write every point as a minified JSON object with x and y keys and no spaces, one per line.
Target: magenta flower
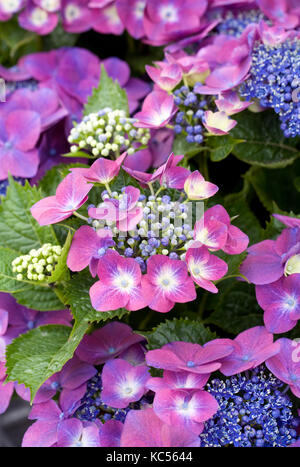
{"x":88,"y":246}
{"x":102,"y":170}
{"x":280,"y":12}
{"x":135,"y":355}
{"x":35,"y":18}
{"x":157,"y":110}
{"x":107,"y":343}
{"x":6,"y":390}
{"x":166,"y":21}
{"x":50,"y":416}
{"x":185,"y":356}
{"x":218,"y":123}
{"x":167,"y":282}
{"x":124,"y":212}
{"x":43,"y":101}
{"x":288,"y":221}
{"x":251,"y":348}
{"x":269,"y":260}
{"x":119,"y":285}
{"x":178,"y":380}
{"x":165,"y":75}
{"x":230,"y":103}
{"x":185,"y":408}
{"x":197,"y":188}
{"x":131,"y":13}
{"x":108,"y":21}
{"x":164,"y":173}
{"x":143,"y":428}
{"x":71,"y":193}
{"x":281,"y":303}
{"x":193,"y":68}
{"x":110,"y":434}
{"x":49,"y":5}
{"x":123,"y":383}
{"x":235,"y":53}
{"x":71,"y":380}
{"x":51,"y":147}
{"x":19,"y":133}
{"x":62,"y":71}
{"x":73,"y":433}
{"x":216,"y":232}
{"x":76,"y":15}
{"x":205,"y":268}
{"x":285,"y":364}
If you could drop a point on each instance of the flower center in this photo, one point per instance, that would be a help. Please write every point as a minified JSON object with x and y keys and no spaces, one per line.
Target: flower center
{"x":72,"y":12}
{"x":39,"y":17}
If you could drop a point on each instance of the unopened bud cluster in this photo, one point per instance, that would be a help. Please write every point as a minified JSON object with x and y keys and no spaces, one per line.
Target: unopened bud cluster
{"x":38,"y":264}
{"x":165,"y":229}
{"x":108,"y":132}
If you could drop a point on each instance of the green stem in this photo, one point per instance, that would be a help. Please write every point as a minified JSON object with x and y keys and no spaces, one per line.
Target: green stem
{"x":203,"y":166}
{"x":107,"y":188}
{"x":80,"y":216}
{"x":151,"y":188}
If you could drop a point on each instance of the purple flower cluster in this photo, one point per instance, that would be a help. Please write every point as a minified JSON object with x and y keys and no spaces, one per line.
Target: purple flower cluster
{"x":107,"y":396}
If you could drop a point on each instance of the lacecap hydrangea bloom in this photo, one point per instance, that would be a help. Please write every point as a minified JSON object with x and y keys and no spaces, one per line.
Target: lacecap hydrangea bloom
{"x":143,"y":244}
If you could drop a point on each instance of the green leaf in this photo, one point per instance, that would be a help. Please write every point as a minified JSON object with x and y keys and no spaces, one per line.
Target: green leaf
{"x":19,"y":231}
{"x":238,"y":206}
{"x":221,"y":147}
{"x":184,"y":330}
{"x":34,"y":296}
{"x":237,"y":308}
{"x":75,"y":293}
{"x":263,"y":141}
{"x":35,"y":356}
{"x":37,"y":297}
{"x":181,"y":146}
{"x":59,"y":38}
{"x":276,"y":189}
{"x":107,"y":94}
{"x":79,"y":154}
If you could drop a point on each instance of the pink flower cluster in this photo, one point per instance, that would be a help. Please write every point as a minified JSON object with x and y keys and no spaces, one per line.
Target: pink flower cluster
{"x":274,"y":267}
{"x":172,"y":264}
